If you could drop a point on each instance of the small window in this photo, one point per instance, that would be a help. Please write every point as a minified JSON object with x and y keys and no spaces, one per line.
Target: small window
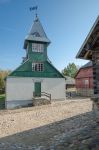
{"x":37,"y":47}
{"x":36,"y":34}
{"x":86,"y":83}
{"x":37,"y":67}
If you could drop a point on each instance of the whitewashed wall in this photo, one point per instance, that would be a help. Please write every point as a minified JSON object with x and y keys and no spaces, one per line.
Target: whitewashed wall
{"x":54,"y":86}
{"x":21,"y":89}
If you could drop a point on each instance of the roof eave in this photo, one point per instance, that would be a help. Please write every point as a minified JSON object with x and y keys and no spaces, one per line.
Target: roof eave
{"x":27,"y":40}
{"x":86,"y":40}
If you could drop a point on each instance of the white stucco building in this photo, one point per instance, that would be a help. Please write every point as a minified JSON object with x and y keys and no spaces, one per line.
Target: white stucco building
{"x":36,"y":74}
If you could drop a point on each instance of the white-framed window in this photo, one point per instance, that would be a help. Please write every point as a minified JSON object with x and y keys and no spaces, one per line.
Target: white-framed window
{"x":37,"y":67}
{"x":36,"y":47}
{"x":86,"y":83}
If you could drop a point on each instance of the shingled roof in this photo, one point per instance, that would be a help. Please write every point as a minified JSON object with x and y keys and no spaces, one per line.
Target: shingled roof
{"x":85,"y":51}
{"x":89,"y":64}
{"x":36,"y":33}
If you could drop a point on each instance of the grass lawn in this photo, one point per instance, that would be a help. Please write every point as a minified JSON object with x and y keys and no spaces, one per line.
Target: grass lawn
{"x":2,"y":96}
{"x":2,"y":101}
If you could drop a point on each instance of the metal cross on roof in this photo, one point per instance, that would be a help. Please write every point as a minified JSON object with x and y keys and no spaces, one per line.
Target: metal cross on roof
{"x":34,"y":9}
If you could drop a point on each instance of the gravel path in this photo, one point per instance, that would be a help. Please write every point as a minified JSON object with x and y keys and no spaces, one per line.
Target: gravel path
{"x":44,"y":127}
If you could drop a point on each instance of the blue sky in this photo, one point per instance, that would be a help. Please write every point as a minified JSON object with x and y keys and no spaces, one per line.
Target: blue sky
{"x":66,"y":23}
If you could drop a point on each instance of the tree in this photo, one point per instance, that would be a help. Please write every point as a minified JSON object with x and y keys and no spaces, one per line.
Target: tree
{"x":3,"y":75}
{"x":1,"y":81}
{"x":70,"y":70}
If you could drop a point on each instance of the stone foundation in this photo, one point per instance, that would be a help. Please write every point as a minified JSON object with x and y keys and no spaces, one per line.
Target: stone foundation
{"x":40,"y":101}
{"x":95,"y":100}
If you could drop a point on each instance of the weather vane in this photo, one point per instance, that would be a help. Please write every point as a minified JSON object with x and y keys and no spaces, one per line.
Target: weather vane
{"x":34,"y":9}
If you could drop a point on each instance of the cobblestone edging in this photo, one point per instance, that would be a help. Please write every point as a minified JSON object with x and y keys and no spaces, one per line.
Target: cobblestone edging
{"x":79,"y":135}
{"x":84,"y":139}
{"x":95,"y":100}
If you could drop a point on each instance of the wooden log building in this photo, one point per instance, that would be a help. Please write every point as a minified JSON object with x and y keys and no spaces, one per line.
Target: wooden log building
{"x":90,"y":51}
{"x":84,"y":80}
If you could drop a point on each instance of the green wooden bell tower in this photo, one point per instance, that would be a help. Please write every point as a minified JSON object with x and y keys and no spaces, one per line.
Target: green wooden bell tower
{"x":36,"y":42}
{"x":36,"y":62}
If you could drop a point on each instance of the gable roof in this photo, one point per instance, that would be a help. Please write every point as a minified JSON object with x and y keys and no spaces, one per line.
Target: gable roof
{"x":84,"y":49}
{"x":54,"y":68}
{"x":36,"y":33}
{"x":25,"y":70}
{"x":89,"y":64}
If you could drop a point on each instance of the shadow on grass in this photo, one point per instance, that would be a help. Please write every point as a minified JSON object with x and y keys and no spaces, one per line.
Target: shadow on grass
{"x":48,"y":134}
{"x":2,"y":102}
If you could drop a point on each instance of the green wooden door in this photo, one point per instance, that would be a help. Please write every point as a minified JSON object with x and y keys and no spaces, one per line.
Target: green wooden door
{"x":38,"y":89}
